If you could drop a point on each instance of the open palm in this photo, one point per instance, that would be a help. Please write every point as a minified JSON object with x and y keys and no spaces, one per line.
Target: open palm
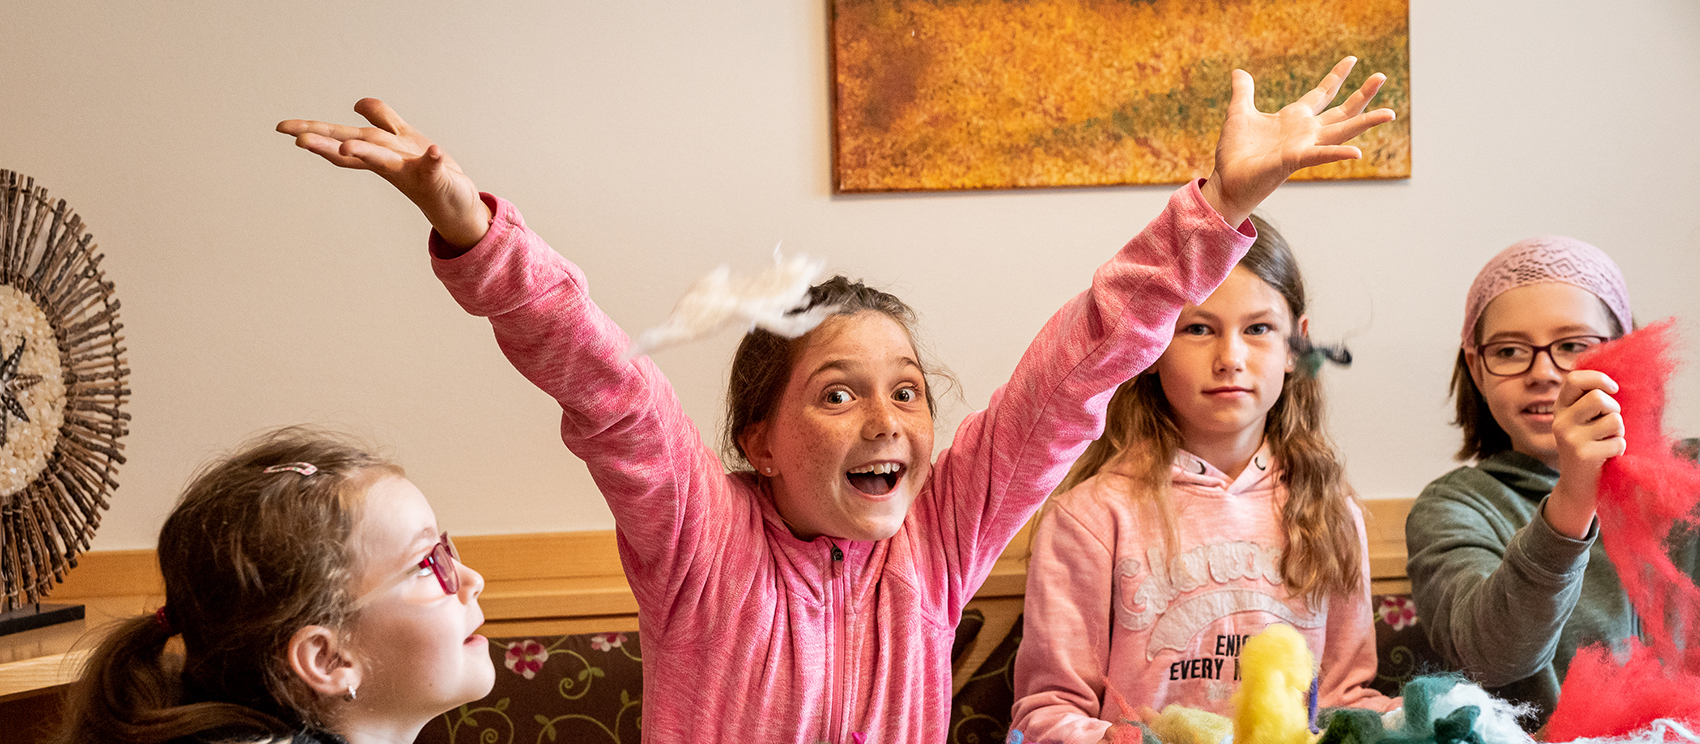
{"x":1258,"y":151}
{"x":407,"y":159}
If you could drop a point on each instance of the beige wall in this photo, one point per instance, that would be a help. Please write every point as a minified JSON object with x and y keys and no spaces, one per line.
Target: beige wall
{"x":651,"y":140}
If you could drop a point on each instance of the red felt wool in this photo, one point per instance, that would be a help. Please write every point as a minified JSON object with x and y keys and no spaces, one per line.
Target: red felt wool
{"x":1603,"y":697}
{"x":1642,"y":495}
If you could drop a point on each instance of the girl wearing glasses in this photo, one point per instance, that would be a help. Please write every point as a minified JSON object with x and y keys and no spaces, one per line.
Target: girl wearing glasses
{"x":316,"y":602}
{"x":1505,"y":569}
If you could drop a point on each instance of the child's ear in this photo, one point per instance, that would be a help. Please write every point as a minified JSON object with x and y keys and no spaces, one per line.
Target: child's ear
{"x":1472,"y":361}
{"x":1301,"y":329}
{"x":753,"y":439}
{"x":317,"y":657}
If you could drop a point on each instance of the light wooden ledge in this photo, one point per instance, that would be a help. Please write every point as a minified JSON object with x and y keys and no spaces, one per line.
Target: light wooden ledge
{"x":535,"y":584}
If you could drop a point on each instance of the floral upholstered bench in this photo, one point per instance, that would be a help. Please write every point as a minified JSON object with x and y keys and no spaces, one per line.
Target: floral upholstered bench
{"x":575,"y":688}
{"x":589,"y":688}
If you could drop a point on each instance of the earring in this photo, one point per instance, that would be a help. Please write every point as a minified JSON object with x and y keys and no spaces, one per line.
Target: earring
{"x":768,"y":470}
{"x":349,"y":696}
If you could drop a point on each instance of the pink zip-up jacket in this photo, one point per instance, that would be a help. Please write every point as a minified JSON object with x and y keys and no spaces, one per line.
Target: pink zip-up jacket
{"x":1096,"y":610}
{"x":749,"y":634}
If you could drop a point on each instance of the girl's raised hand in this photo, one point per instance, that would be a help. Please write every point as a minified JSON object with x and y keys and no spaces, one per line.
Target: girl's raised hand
{"x":420,"y":170}
{"x":1587,"y":426}
{"x":1258,"y":151}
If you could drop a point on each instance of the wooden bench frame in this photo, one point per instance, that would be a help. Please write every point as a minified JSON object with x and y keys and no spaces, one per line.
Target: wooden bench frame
{"x":546,"y":584}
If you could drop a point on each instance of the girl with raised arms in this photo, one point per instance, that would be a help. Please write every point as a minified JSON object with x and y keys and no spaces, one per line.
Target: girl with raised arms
{"x":811,"y":593}
{"x":316,"y":601}
{"x":1212,"y":507}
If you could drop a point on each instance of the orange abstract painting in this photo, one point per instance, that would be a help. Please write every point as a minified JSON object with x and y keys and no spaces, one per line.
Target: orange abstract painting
{"x":999,"y":94}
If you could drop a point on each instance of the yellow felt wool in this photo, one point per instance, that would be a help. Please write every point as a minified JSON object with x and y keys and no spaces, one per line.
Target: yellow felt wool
{"x":1271,"y":706}
{"x":1182,"y":725}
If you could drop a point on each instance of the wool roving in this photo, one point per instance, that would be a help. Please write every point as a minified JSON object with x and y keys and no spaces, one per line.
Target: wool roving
{"x":1178,"y":724}
{"x":1604,"y":696}
{"x":770,"y":300}
{"x":1275,"y":673}
{"x":1643,"y":495}
{"x":1646,"y":492}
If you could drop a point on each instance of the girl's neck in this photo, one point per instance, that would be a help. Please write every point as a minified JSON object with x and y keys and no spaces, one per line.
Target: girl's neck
{"x":1228,"y":452}
{"x":363,"y":730}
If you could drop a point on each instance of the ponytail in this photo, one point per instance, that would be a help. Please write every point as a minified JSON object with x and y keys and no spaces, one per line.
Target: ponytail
{"x":131,"y":690}
{"x":259,"y":547}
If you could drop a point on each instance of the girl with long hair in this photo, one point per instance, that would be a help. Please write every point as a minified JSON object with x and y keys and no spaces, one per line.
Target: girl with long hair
{"x":1213,"y":506}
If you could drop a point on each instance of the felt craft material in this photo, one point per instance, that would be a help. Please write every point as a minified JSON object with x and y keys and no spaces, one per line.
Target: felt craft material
{"x":1495,"y":720}
{"x":1604,"y":696}
{"x":770,"y":300}
{"x":1661,"y":731}
{"x":1645,"y":492}
{"x":1643,"y":495}
{"x":1351,"y":726}
{"x":1275,"y":673}
{"x":1178,"y":724}
{"x":1441,"y":709}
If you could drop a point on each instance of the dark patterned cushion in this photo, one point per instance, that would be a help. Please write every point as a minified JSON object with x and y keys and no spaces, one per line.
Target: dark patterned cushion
{"x":577,"y":688}
{"x":1401,"y":644}
{"x":561,"y":688}
{"x":979,"y":714}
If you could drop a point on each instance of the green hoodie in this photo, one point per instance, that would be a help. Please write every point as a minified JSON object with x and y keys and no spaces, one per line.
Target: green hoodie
{"x":1505,"y":598}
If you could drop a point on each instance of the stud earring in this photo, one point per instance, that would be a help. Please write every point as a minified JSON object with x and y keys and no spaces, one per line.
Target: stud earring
{"x":349,"y":696}
{"x":769,"y":470}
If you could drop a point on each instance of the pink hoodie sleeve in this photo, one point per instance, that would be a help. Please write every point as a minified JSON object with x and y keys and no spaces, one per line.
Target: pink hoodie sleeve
{"x":666,"y":489}
{"x":1348,"y":657}
{"x":1007,"y":458}
{"x":1065,"y":633}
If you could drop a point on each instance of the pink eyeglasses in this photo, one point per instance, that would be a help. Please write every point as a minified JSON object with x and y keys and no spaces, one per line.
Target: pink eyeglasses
{"x":440,"y":561}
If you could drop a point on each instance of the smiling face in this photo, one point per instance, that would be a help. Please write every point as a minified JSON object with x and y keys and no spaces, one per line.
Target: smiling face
{"x":1536,"y":314}
{"x":417,"y":643}
{"x":1224,"y":369}
{"x":850,"y":442}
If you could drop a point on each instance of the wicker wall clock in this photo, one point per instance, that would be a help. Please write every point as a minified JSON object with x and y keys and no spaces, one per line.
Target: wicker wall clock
{"x":63,"y":385}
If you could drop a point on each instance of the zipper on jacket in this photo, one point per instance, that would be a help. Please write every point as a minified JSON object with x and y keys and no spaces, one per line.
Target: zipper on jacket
{"x":836,"y":616}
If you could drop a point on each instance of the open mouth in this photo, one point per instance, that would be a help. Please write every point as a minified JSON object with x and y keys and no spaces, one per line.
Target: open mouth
{"x":1539,"y":408}
{"x":877,"y":479}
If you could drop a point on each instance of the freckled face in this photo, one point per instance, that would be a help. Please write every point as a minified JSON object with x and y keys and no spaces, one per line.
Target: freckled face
{"x":1536,"y":314}
{"x":1225,"y":367}
{"x":417,"y":642}
{"x":851,"y":440}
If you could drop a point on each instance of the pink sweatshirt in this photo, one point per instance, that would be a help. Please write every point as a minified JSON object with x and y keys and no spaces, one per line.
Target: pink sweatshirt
{"x":1095,"y":610}
{"x":750,"y":634}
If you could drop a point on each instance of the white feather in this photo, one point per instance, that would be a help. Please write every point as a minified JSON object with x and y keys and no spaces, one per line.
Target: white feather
{"x":718,"y":300}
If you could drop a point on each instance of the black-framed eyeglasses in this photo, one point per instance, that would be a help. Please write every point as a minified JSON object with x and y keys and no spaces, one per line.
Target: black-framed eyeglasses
{"x":1512,"y":358}
{"x":440,"y":561}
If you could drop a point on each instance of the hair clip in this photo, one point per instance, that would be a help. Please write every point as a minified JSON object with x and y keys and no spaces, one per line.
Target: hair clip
{"x":304,"y":468}
{"x":1311,"y":355}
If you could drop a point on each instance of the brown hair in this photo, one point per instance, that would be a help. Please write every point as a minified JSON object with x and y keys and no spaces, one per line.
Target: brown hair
{"x":1483,"y":436}
{"x":248,"y":558}
{"x":761,"y":367}
{"x":1322,"y":554}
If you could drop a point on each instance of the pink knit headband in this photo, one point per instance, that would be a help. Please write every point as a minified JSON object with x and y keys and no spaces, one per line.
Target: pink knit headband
{"x":1553,"y":258}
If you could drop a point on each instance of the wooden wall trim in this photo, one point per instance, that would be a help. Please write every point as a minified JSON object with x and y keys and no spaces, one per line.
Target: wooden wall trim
{"x":561,"y":575}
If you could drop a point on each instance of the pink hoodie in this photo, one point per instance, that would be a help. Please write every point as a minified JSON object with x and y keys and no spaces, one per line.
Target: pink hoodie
{"x":750,"y":634}
{"x":1095,"y":610}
